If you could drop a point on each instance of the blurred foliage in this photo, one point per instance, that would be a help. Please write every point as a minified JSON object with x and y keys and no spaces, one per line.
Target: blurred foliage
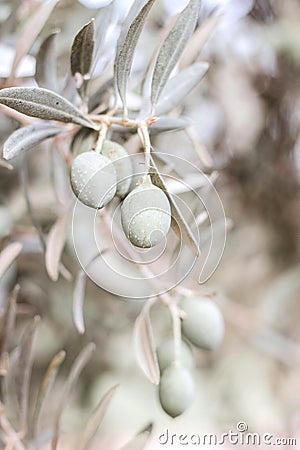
{"x":246,"y":116}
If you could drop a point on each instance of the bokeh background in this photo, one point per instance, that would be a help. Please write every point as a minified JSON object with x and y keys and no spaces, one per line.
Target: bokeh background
{"x":245,"y":117}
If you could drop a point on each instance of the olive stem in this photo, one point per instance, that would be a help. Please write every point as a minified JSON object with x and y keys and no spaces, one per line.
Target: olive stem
{"x":101,"y":137}
{"x":145,"y":138}
{"x":129,"y":123}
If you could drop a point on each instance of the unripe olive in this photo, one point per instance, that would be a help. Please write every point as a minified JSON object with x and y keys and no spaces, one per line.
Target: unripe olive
{"x":146,"y":215}
{"x":203,"y":324}
{"x":166,"y":355}
{"x":93,"y":179}
{"x":121,"y":160}
{"x":176,"y":390}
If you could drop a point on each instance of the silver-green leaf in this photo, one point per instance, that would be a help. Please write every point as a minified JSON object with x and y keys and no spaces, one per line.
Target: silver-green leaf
{"x":44,"y":104}
{"x":82,"y":55}
{"x":173,"y":47}
{"x":169,"y":123}
{"x":126,"y":45}
{"x":27,"y":137}
{"x":45,"y":72}
{"x":178,"y":87}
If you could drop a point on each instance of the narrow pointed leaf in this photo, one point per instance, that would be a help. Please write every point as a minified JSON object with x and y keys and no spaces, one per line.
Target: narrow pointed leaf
{"x":55,"y":245}
{"x":26,"y":138}
{"x":44,"y":104}
{"x":96,"y":418}
{"x":178,"y":222}
{"x":24,"y":367}
{"x":173,"y":47}
{"x":76,"y":369}
{"x":170,"y":123}
{"x":144,"y":346}
{"x":78,"y":298}
{"x":45,"y":72}
{"x":30,"y":32}
{"x":8,"y":255}
{"x":7,"y":325}
{"x":82,"y":55}
{"x":178,"y":87}
{"x":45,"y":388}
{"x":126,"y":45}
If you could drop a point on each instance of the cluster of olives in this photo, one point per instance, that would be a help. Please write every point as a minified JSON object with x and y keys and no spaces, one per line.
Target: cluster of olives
{"x":202,"y":326}
{"x":97,"y":177}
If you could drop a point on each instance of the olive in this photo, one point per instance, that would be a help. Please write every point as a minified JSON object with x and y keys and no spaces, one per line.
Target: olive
{"x":176,"y":390}
{"x":146,"y":215}
{"x":121,"y":160}
{"x":166,"y":354}
{"x":203,"y":324}
{"x":93,"y":179}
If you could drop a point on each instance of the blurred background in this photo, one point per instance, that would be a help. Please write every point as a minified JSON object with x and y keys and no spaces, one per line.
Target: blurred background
{"x":245,"y":116}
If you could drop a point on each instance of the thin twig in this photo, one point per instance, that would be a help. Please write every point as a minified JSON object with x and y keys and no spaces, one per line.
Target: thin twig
{"x":9,"y":431}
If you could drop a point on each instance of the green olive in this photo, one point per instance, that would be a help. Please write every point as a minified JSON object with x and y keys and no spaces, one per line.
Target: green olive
{"x":166,"y":354}
{"x":203,"y":324}
{"x":93,"y":179}
{"x":176,"y":390}
{"x":146,"y":215}
{"x":121,"y":160}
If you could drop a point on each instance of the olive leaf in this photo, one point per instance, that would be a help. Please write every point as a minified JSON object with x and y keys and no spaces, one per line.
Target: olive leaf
{"x":7,"y":325}
{"x":26,"y":138}
{"x":168,"y":123}
{"x":76,"y":369}
{"x":96,"y":418}
{"x":144,"y":345}
{"x":30,"y":32}
{"x":45,"y":388}
{"x":45,"y":72}
{"x":8,"y":255}
{"x":78,"y":298}
{"x":139,"y":441}
{"x":44,"y":104}
{"x":172,"y":48}
{"x":178,"y":222}
{"x":55,"y":245}
{"x":178,"y":87}
{"x":23,"y":369}
{"x":82,"y":56}
{"x":126,"y":45}
{"x":199,"y":38}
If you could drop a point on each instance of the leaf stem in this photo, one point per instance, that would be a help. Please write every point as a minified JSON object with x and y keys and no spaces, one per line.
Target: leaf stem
{"x":144,"y":135}
{"x":101,"y":137}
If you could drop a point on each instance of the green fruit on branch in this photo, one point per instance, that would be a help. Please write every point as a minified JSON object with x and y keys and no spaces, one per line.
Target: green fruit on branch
{"x":121,"y":160}
{"x":166,"y":355}
{"x":203,"y":324}
{"x":93,"y":179}
{"x":176,"y":390}
{"x":146,"y":215}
